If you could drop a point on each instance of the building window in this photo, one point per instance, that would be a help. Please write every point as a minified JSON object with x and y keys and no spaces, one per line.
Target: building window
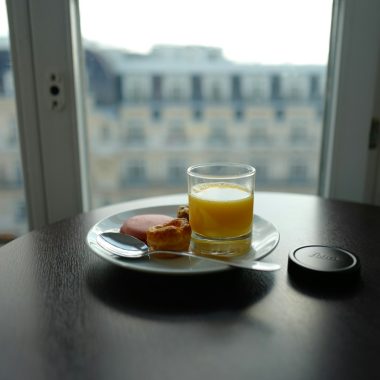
{"x":218,"y":136}
{"x":259,"y":137}
{"x":279,"y":113}
{"x":298,"y":174}
{"x":262,"y":173}
{"x":176,"y":93}
{"x":176,"y":88}
{"x":315,"y":91}
{"x":275,"y":87}
{"x":105,"y":133}
{"x":299,"y":136}
{"x":156,"y":114}
{"x":136,"y":136}
{"x":177,"y":135}
{"x":20,"y":212}
{"x":216,"y":92}
{"x":177,"y":172}
{"x":236,"y":88}
{"x":257,"y":94}
{"x":134,"y":174}
{"x":157,"y":88}
{"x":259,"y":123}
{"x":197,"y":114}
{"x":137,"y":94}
{"x":259,"y":88}
{"x":13,"y":133}
{"x":239,"y":114}
{"x":196,"y":85}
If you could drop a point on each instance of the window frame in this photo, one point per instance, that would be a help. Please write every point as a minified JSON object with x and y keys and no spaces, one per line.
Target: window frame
{"x":52,"y":139}
{"x":347,"y":171}
{"x":55,"y":194}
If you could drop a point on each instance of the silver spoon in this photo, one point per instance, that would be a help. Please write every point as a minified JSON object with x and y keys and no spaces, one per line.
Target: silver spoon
{"x":132,"y":248}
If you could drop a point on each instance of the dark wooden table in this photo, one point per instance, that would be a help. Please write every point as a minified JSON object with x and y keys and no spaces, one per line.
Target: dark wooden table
{"x":67,"y":314}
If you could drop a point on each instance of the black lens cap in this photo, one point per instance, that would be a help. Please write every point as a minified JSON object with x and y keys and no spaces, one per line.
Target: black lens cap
{"x":323,"y":263}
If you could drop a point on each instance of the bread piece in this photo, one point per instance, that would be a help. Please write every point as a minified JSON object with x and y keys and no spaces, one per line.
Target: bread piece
{"x":183,"y":212}
{"x":174,"y":235}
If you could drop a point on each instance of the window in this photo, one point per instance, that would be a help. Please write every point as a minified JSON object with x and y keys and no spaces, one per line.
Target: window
{"x":233,"y":104}
{"x":260,"y":122}
{"x":299,"y":137}
{"x":176,"y":134}
{"x":298,"y":174}
{"x":136,"y":136}
{"x":255,"y":87}
{"x":236,"y":88}
{"x":123,"y":57}
{"x":13,"y":216}
{"x":218,"y":137}
{"x":156,"y":114}
{"x":135,"y":87}
{"x":275,"y":87}
{"x":134,"y":174}
{"x":177,"y":172}
{"x":216,"y":93}
{"x":260,"y":137}
{"x":105,"y":133}
{"x":157,"y":88}
{"x":262,"y":173}
{"x":239,"y":114}
{"x":296,"y":86}
{"x":196,"y":88}
{"x":177,"y":88}
{"x":197,"y":114}
{"x":215,"y":87}
{"x":315,"y":91}
{"x":279,"y":113}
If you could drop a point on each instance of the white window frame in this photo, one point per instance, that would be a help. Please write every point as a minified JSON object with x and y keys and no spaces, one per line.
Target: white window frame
{"x":347,"y":168}
{"x":45,"y":39}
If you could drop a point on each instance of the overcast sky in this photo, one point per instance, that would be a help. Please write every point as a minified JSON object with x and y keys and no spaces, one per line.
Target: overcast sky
{"x":256,"y":31}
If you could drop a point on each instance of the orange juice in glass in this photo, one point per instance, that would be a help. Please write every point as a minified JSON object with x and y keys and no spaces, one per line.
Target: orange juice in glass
{"x":221,"y":198}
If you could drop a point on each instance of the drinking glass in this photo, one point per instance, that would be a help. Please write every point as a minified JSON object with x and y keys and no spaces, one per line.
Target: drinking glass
{"x":221,"y":199}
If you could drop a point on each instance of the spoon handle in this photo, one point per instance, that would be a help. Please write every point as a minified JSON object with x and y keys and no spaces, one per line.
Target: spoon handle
{"x":239,"y":263}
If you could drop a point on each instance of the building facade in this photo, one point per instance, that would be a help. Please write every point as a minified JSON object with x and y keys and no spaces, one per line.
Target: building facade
{"x":179,"y":106}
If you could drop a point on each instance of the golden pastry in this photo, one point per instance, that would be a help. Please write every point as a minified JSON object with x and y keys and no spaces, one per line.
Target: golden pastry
{"x":183,"y":212}
{"x":174,"y":235}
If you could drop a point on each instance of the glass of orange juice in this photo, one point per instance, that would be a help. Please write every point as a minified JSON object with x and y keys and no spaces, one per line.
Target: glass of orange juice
{"x":221,"y":198}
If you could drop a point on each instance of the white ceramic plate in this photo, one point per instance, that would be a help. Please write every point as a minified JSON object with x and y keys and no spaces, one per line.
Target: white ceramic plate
{"x":265,"y":238}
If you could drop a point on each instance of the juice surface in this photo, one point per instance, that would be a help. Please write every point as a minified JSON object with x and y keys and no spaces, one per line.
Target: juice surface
{"x":220,"y":210}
